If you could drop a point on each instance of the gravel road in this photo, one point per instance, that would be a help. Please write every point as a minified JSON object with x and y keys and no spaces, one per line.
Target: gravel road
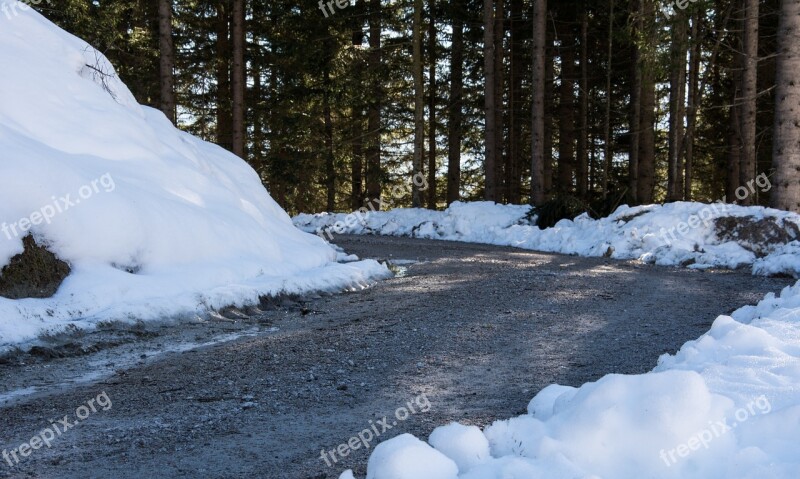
{"x":464,"y":332}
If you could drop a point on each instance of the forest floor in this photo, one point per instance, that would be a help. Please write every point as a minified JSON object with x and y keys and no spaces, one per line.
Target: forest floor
{"x":465,"y":332}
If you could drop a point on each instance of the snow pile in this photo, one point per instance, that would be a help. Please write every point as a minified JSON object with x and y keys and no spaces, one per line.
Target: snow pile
{"x":152,"y":221}
{"x":689,"y":234}
{"x":726,"y":405}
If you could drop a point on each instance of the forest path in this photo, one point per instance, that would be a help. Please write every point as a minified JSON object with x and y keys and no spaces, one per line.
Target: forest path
{"x":466,"y":333}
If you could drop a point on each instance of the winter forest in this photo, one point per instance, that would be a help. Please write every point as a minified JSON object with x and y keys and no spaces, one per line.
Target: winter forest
{"x":587,"y":104}
{"x":400,"y":239}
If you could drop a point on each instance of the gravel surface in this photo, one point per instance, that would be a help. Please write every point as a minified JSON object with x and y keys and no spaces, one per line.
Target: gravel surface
{"x":464,"y":332}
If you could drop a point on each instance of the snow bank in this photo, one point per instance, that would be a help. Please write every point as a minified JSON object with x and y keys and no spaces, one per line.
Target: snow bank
{"x":673,"y":234}
{"x":726,"y":405}
{"x":153,"y":221}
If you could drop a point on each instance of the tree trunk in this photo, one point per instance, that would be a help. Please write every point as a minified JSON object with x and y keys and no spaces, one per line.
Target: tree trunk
{"x":456,"y":105}
{"x":566,"y":116}
{"x":499,"y":88}
{"x":357,"y":131}
{"x":167,"y":60}
{"x":257,"y":155}
{"x":582,"y":172}
{"x":537,"y":93}
{"x":238,"y":73}
{"x":549,"y":111}
{"x":749,"y":90}
{"x":419,"y":103}
{"x":734,"y":155}
{"x":636,"y":103}
{"x":373,"y":149}
{"x":223,"y":74}
{"x":330,"y":166}
{"x":432,"y":107}
{"x":607,"y":150}
{"x":786,"y":142}
{"x":513,"y":159}
{"x":677,"y":106}
{"x":647,"y":140}
{"x":357,"y":168}
{"x":490,"y":113}
{"x":692,"y":104}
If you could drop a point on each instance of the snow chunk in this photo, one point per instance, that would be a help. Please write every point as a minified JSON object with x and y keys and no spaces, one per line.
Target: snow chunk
{"x":465,"y":445}
{"x":406,"y":457}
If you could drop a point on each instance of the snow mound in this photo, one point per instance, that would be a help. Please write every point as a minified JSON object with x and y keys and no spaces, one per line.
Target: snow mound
{"x":726,"y":405}
{"x":406,"y":457}
{"x":696,"y":235}
{"x":152,"y":221}
{"x":465,"y":445}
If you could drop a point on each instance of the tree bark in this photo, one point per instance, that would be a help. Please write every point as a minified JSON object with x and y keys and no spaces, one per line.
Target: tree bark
{"x":238,"y":75}
{"x":537,"y":92}
{"x":514,"y":157}
{"x":373,"y":148}
{"x":749,"y":90}
{"x":566,"y":122}
{"x":636,"y":103}
{"x":693,"y":102}
{"x":357,"y":168}
{"x":734,"y":155}
{"x":677,"y":106}
{"x":357,"y":129}
{"x":490,"y":113}
{"x":419,"y":103}
{"x":432,"y":107}
{"x":607,"y":150}
{"x":786,"y":142}
{"x":167,"y":60}
{"x":582,"y":172}
{"x":647,"y":140}
{"x":330,"y":166}
{"x":549,"y":110}
{"x":456,"y":105}
{"x":499,"y":88}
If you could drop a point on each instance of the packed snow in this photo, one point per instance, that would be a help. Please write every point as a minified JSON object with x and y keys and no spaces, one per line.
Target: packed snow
{"x":674,"y":234}
{"x":153,"y":221}
{"x":726,"y":405}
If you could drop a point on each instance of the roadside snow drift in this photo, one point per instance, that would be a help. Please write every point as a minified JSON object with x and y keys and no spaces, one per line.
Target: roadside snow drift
{"x":727,"y":405}
{"x":152,"y":221}
{"x":696,"y":235}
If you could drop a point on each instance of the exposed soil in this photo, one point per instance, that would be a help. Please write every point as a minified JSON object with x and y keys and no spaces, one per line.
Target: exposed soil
{"x":34,"y":273}
{"x":477,"y":329}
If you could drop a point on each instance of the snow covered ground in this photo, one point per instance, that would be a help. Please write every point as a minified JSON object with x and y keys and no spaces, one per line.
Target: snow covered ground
{"x":672,"y":234}
{"x":152,"y":221}
{"x":727,"y":405}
